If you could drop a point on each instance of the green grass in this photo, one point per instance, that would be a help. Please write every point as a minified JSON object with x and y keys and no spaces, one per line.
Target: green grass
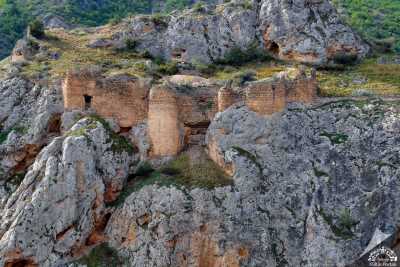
{"x":3,"y":136}
{"x":342,"y":226}
{"x":335,"y":138}
{"x":379,"y":79}
{"x":178,"y":173}
{"x":102,"y":256}
{"x":118,"y":143}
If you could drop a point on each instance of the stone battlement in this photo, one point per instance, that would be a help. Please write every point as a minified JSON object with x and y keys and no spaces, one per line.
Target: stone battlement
{"x":178,"y":117}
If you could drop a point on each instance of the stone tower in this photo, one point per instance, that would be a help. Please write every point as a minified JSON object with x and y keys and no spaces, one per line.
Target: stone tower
{"x":163,"y":122}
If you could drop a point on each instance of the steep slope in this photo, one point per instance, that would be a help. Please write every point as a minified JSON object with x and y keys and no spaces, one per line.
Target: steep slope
{"x":311,"y":187}
{"x":377,"y":21}
{"x":15,"y":15}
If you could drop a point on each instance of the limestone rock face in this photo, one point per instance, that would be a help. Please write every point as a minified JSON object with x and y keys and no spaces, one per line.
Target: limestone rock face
{"x":59,"y":209}
{"x":311,"y":186}
{"x":304,"y":31}
{"x":29,"y":118}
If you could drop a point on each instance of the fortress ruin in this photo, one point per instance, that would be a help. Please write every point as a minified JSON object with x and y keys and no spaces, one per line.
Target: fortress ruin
{"x":122,"y":97}
{"x":178,"y":117}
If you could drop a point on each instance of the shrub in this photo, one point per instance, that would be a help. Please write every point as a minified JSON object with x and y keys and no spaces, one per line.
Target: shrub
{"x":102,"y":255}
{"x":345,"y":59}
{"x":131,"y":44}
{"x":237,"y":56}
{"x":245,"y":76}
{"x":247,"y":5}
{"x":169,"y":68}
{"x":37,"y":29}
{"x":144,"y":169}
{"x":114,"y":21}
{"x":206,"y":69}
{"x":386,"y":45}
{"x":146,"y":54}
{"x":199,"y":7}
{"x":159,"y":19}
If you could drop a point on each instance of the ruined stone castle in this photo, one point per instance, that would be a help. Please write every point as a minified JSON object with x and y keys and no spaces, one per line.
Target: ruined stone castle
{"x":178,"y":116}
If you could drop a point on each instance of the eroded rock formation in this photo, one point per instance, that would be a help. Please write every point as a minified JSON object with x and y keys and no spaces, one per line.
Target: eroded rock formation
{"x":311,"y":187}
{"x":304,"y":31}
{"x":58,"y":211}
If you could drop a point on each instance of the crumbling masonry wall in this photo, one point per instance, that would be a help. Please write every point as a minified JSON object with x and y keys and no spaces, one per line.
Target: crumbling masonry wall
{"x":163,"y":122}
{"x":121,"y":97}
{"x":272,"y":95}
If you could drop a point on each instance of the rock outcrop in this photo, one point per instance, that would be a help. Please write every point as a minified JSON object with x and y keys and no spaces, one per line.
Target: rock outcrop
{"x":304,"y":31}
{"x":29,"y":118}
{"x":311,"y":186}
{"x":58,"y":211}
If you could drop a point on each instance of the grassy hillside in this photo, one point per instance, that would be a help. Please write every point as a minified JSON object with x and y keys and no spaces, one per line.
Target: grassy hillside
{"x":16,"y":14}
{"x":376,"y":20}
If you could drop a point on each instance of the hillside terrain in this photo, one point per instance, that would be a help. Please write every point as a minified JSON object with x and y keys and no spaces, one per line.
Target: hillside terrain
{"x":15,"y":15}
{"x":242,"y":133}
{"x":377,"y":21}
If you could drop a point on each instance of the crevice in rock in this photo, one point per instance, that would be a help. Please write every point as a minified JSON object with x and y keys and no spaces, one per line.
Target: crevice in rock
{"x":21,"y":263}
{"x":54,"y":125}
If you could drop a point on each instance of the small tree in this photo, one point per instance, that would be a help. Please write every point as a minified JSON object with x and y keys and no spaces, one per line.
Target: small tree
{"x":37,"y":29}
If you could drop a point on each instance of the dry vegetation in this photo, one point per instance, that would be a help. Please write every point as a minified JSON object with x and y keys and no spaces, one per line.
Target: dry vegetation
{"x":72,"y":48}
{"x":367,"y":77}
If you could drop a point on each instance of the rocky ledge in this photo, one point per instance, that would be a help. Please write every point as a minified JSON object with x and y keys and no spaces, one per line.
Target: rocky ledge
{"x":303,"y":31}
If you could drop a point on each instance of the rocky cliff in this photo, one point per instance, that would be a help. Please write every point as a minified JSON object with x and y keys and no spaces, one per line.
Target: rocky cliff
{"x":311,"y":187}
{"x":305,"y":31}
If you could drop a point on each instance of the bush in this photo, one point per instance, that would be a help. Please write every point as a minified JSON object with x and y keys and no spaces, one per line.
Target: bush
{"x":199,"y":7}
{"x":169,"y":68}
{"x":159,"y":20}
{"x":131,"y":44}
{"x":236,"y":56}
{"x":384,"y":45}
{"x":37,"y":29}
{"x":245,"y":76}
{"x":205,"y":69}
{"x":345,"y":59}
{"x":144,"y":169}
{"x":114,"y":21}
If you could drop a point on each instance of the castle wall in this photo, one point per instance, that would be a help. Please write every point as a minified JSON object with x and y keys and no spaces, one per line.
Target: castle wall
{"x":269,"y":96}
{"x":123,"y":98}
{"x":163,"y":122}
{"x":266,"y":98}
{"x":226,"y":98}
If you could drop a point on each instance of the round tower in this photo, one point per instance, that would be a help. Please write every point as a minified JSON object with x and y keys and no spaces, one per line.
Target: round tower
{"x":163,"y":122}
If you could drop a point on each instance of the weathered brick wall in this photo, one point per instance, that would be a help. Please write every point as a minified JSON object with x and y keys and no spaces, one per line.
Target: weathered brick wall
{"x":226,"y":98}
{"x":163,"y":122}
{"x":269,"y":96}
{"x":266,"y":97}
{"x":121,"y":97}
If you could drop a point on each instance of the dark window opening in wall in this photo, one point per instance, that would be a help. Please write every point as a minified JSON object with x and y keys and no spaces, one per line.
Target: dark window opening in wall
{"x":88,"y":101}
